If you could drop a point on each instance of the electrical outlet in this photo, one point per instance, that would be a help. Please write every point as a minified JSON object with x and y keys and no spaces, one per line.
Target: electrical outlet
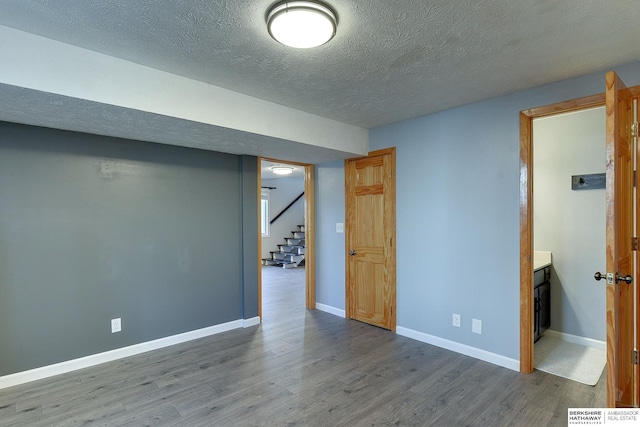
{"x":456,"y":320}
{"x":339,"y":227}
{"x":116,"y":325}
{"x":476,"y":326}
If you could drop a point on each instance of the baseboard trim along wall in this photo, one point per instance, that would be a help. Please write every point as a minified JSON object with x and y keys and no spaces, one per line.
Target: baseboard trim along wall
{"x":575,"y":339}
{"x":476,"y":353}
{"x":119,"y":353}
{"x":329,"y":309}
{"x":247,"y":323}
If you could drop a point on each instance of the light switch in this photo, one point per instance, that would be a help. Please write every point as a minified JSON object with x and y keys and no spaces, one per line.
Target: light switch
{"x":339,"y":227}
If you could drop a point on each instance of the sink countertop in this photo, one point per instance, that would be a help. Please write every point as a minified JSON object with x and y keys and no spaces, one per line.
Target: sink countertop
{"x":541,"y":259}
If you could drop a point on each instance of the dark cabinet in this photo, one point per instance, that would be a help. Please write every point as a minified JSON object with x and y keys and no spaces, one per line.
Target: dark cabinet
{"x":541,"y":301}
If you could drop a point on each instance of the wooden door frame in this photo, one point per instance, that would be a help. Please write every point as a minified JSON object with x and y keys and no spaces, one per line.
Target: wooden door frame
{"x":309,"y":232}
{"x":348,"y":299}
{"x":526,"y":215}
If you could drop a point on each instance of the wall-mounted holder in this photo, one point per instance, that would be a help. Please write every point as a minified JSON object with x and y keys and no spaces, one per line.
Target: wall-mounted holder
{"x":592,"y":181}
{"x":589,"y":181}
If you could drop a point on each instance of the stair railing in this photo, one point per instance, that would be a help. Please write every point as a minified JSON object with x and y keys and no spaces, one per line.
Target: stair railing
{"x":285,"y":209}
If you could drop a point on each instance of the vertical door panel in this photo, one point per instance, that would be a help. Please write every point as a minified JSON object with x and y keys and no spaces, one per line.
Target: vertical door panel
{"x":370,"y":226}
{"x":619,"y":193}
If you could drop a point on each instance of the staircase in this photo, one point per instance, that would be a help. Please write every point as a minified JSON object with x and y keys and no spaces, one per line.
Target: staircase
{"x":291,"y":254}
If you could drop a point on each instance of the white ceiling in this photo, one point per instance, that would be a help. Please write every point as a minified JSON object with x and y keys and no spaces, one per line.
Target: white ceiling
{"x":390,"y":60}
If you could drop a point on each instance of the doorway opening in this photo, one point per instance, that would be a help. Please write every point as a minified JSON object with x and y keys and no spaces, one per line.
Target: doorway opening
{"x":286,"y":227}
{"x":569,"y":239}
{"x":622,"y":319}
{"x":526,"y":217}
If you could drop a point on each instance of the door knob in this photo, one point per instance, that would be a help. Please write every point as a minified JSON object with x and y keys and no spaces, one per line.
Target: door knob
{"x":628,"y":279}
{"x":608,"y":276}
{"x":352,"y":252}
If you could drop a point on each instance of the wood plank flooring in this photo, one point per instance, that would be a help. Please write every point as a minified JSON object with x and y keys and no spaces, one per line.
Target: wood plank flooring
{"x":298,"y":368}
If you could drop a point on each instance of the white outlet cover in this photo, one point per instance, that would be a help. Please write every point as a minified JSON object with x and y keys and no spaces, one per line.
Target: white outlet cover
{"x":116,"y":325}
{"x":476,"y":326}
{"x":456,"y":320}
{"x":339,"y":227}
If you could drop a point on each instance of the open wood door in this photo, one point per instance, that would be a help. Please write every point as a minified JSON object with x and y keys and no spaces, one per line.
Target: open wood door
{"x":620,"y":256}
{"x":370,"y":239}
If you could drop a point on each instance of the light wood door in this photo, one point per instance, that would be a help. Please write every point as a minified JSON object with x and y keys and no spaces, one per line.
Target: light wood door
{"x":620,"y":262}
{"x":370,"y":239}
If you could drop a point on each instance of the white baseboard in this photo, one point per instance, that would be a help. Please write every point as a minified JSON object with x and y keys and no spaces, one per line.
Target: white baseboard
{"x":467,"y":350}
{"x":108,"y":356}
{"x":477,"y":353}
{"x":247,"y":323}
{"x":119,"y":353}
{"x":330,"y":309}
{"x":575,"y":339}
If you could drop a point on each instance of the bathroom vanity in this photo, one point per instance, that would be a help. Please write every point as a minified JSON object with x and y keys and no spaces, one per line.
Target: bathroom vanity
{"x":541,"y":293}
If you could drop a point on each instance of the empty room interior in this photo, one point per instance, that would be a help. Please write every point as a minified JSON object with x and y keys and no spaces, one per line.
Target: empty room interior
{"x":205,"y":220}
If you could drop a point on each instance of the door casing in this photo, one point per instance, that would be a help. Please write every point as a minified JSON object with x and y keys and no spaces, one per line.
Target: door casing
{"x":526,"y":220}
{"x":309,"y":235}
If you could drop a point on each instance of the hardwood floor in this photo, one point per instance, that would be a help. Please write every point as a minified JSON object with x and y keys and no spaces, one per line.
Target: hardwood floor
{"x":299,"y":367}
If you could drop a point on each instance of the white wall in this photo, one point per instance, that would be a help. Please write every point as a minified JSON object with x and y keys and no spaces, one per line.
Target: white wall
{"x":287,"y":189}
{"x":571,"y":223}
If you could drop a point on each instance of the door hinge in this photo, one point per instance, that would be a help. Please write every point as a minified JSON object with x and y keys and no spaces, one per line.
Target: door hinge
{"x":634,"y":130}
{"x":634,"y":357}
{"x":634,"y":243}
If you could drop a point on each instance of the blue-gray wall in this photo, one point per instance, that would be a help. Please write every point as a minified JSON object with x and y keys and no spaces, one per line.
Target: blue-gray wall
{"x":93,"y":228}
{"x":457,"y":216}
{"x":330,"y":246}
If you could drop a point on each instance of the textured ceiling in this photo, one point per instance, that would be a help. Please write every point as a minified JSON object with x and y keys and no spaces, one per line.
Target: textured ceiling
{"x":390,"y":60}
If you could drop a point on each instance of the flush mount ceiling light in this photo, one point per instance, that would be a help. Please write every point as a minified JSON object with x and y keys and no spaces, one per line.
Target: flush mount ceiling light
{"x":282,"y":170}
{"x":301,"y":24}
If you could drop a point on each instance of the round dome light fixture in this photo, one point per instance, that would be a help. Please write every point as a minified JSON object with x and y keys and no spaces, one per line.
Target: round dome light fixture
{"x":302,"y":24}
{"x":282,"y":170}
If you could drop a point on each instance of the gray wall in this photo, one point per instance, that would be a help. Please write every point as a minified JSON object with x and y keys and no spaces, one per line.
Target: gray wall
{"x":457,"y":215}
{"x":569,"y":223}
{"x":250,"y":236}
{"x":93,"y":228}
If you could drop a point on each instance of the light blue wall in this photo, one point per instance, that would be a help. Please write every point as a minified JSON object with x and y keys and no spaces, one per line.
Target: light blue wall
{"x":457,"y":215}
{"x":330,"y":252}
{"x":457,"y":233}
